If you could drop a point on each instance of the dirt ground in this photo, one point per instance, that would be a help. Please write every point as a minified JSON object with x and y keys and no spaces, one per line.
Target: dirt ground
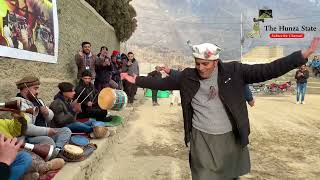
{"x":285,"y":138}
{"x":285,"y":142}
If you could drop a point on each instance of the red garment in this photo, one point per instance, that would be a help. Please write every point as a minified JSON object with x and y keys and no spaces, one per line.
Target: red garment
{"x":115,"y":52}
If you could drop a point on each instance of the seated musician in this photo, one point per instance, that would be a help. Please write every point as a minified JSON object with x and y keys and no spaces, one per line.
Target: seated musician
{"x":86,"y":92}
{"x":9,"y":158}
{"x":35,"y":134}
{"x":65,"y":111}
{"x":13,"y":164}
{"x":25,"y":164}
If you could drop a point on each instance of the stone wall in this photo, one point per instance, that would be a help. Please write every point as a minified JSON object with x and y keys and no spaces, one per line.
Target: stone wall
{"x":77,"y":22}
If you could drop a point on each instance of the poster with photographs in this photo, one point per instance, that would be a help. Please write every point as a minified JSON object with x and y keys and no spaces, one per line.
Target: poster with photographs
{"x":29,"y":30}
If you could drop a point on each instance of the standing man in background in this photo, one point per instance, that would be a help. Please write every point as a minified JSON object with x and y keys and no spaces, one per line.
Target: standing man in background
{"x":132,"y":68}
{"x":156,"y":74}
{"x":86,"y":60}
{"x":301,"y":76}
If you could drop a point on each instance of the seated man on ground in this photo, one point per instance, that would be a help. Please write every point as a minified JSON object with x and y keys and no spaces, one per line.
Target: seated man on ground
{"x":22,"y":166}
{"x":86,"y":92}
{"x":13,"y":164}
{"x":19,"y":162}
{"x":28,"y":95}
{"x":65,"y":111}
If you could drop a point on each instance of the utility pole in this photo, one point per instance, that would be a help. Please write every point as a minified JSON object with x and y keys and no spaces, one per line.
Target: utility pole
{"x":241,"y":36}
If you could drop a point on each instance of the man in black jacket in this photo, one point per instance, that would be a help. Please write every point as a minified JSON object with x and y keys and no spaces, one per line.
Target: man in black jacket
{"x":86,"y":92}
{"x":156,"y":74}
{"x":214,"y":109}
{"x":301,"y":76}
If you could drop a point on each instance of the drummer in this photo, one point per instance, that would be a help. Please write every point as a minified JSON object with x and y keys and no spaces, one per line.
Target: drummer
{"x":65,"y":111}
{"x":86,"y":92}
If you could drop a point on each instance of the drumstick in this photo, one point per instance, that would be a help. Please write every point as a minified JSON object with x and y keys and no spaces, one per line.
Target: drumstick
{"x":86,"y":97}
{"x":79,"y":95}
{"x":94,"y":97}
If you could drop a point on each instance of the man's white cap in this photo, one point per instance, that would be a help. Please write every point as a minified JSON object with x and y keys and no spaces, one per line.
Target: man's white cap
{"x":206,"y":51}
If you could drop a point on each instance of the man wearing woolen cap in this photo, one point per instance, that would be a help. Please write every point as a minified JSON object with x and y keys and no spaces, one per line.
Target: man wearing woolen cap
{"x":38,"y":129}
{"x":215,"y":115}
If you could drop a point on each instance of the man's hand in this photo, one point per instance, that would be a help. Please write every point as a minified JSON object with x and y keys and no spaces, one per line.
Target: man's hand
{"x":76,"y":107}
{"x":106,"y":62}
{"x":9,"y":149}
{"x":104,"y":53}
{"x":52,"y":132}
{"x":81,"y":53}
{"x":23,"y":38}
{"x":251,"y":103}
{"x":44,"y":110}
{"x":90,"y":104}
{"x":126,"y":76}
{"x":16,"y":115}
{"x":166,"y":69}
{"x":312,"y":48}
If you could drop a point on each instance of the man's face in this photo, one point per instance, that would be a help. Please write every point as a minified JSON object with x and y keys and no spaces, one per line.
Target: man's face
{"x":104,"y":51}
{"x":86,"y":48}
{"x":205,"y":67}
{"x":33,"y":90}
{"x":87,"y":79}
{"x":130,"y":57}
{"x":114,"y":59}
{"x":303,"y":68}
{"x":106,"y":62}
{"x":123,"y":61}
{"x":69,"y":95}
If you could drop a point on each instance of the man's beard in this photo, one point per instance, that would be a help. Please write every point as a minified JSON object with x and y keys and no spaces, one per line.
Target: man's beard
{"x":86,"y":51}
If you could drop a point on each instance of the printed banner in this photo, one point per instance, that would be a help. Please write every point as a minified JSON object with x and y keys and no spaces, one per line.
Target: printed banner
{"x":29,"y":30}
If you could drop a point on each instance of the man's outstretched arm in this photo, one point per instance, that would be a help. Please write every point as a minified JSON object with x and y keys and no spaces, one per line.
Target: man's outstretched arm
{"x":167,"y":83}
{"x":262,"y":72}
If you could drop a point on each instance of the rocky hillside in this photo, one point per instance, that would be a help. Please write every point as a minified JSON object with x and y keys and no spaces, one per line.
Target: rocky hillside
{"x":167,"y":24}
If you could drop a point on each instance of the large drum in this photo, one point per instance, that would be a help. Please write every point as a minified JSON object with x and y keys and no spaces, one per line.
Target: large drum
{"x":112,"y":99}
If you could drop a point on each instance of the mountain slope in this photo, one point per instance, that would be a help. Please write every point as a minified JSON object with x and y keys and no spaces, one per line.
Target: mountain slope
{"x":169,"y":24}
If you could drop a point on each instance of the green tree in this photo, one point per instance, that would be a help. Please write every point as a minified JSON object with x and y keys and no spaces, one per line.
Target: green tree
{"x":118,"y":13}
